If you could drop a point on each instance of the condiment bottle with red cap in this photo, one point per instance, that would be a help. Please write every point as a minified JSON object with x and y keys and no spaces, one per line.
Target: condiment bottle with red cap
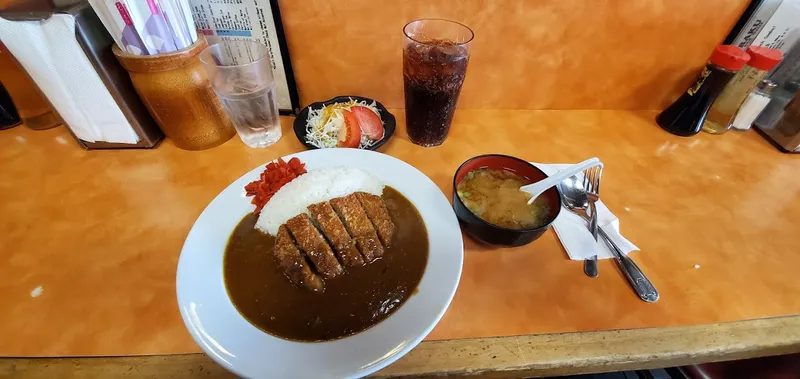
{"x":686,"y":115}
{"x":720,"y":116}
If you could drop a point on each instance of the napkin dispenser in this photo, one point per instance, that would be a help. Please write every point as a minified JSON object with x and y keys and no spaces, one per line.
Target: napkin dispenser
{"x":67,"y":52}
{"x":785,"y":132}
{"x":779,"y":123}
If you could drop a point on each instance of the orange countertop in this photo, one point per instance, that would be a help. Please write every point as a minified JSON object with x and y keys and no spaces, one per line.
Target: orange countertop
{"x":90,"y":239}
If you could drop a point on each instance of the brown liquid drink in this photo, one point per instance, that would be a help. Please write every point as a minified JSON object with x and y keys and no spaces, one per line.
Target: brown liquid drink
{"x":435,"y":58}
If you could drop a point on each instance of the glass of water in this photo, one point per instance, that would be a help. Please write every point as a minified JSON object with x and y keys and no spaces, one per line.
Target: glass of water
{"x":240,"y":71}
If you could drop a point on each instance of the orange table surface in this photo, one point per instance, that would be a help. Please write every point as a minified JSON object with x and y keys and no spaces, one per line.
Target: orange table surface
{"x":90,"y":240}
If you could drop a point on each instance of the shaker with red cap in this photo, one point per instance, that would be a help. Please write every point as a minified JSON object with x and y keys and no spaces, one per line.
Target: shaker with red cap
{"x":686,"y":115}
{"x":720,"y":116}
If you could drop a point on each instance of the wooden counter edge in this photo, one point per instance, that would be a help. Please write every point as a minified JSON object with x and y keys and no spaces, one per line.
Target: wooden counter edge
{"x":529,"y":356}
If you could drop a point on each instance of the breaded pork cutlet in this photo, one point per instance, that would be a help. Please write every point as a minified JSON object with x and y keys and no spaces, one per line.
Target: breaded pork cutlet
{"x":376,"y":210}
{"x":293,"y":263}
{"x":333,"y":229}
{"x":357,"y":223}
{"x":311,"y":242}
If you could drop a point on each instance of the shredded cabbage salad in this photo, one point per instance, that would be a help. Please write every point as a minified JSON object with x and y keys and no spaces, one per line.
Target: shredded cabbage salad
{"x":323,"y":125}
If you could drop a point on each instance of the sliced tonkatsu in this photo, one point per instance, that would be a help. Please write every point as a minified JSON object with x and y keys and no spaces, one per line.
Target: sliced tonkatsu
{"x":357,"y":223}
{"x":310,"y":241}
{"x":334,"y":236}
{"x":376,"y":210}
{"x":333,"y":229}
{"x":293,"y":263}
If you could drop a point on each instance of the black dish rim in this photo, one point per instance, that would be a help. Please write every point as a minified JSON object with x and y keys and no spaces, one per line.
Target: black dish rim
{"x":389,"y":121}
{"x":498,"y":227}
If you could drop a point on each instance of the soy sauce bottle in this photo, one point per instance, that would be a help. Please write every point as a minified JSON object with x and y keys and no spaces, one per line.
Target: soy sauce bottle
{"x":8,"y":114}
{"x":686,"y":115}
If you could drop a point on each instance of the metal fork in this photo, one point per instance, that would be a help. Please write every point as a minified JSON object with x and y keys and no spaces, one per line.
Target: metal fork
{"x":591,"y":184}
{"x":643,"y":287}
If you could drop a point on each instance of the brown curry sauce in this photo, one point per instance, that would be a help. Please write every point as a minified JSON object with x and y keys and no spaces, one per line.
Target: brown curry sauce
{"x":351,"y":303}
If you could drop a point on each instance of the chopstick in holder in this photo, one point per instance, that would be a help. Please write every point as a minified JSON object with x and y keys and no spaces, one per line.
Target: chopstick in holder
{"x":176,"y":23}
{"x":147,"y":27}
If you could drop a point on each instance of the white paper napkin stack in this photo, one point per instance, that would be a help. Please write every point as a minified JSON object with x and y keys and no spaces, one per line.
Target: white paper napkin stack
{"x":574,"y":234}
{"x":50,"y":53}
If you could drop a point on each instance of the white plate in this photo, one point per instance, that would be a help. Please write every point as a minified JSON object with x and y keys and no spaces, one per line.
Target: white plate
{"x":242,"y":348}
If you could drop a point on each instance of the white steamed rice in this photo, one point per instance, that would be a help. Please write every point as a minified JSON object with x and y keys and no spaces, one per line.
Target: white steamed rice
{"x":313,"y":187}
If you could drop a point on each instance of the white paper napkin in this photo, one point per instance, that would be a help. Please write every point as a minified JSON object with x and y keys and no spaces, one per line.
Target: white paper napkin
{"x":50,"y":53}
{"x":574,"y":233}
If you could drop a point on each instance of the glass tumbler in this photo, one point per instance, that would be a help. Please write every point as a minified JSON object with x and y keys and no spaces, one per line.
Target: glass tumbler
{"x":435,"y":57}
{"x":240,"y":71}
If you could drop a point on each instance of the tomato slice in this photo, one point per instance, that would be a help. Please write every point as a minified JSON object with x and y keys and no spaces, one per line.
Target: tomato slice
{"x":370,"y":123}
{"x":350,"y":134}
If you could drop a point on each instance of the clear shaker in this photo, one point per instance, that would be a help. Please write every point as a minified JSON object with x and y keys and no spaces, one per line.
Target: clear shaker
{"x":753,"y":105}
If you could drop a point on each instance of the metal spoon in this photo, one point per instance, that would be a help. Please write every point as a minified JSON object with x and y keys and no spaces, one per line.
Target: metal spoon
{"x":574,"y":197}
